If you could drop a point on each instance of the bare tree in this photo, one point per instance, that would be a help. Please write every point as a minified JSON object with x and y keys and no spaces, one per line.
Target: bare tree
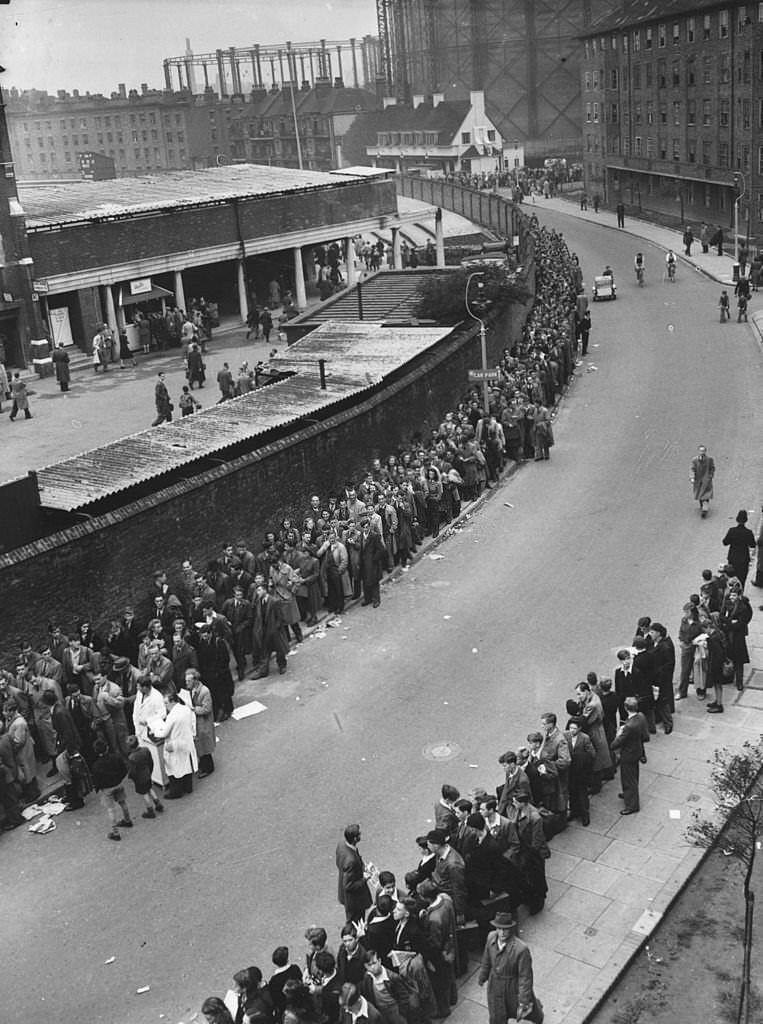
{"x":736,"y":780}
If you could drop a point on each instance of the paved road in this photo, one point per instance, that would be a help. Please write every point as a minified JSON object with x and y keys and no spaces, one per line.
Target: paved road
{"x":468,"y":649}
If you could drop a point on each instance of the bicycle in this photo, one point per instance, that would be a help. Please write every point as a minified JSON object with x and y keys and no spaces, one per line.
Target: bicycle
{"x":640,"y":276}
{"x":672,"y":272}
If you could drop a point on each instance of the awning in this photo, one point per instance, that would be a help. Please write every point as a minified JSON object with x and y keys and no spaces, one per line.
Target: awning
{"x":157,"y":292}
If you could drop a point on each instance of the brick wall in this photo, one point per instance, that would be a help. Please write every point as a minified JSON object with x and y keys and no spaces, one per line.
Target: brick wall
{"x":95,"y":568}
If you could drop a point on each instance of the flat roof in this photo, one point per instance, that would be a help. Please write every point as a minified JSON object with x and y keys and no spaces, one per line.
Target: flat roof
{"x":357,"y":357}
{"x":61,"y":202}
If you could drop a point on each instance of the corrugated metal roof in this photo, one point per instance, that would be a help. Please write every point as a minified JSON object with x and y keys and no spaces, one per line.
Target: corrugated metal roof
{"x":363,"y":352}
{"x":62,"y":202}
{"x":357,"y":356}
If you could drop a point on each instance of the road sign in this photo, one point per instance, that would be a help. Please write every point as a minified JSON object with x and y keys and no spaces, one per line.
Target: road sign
{"x":475,"y":375}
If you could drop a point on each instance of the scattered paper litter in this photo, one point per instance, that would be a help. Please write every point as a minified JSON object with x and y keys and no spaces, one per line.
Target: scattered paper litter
{"x":474,"y":650}
{"x":445,"y":702}
{"x":590,"y":369}
{"x":675,"y":815}
{"x":334,"y":622}
{"x":254,"y":707}
{"x":31,"y":812}
{"x":319,"y":634}
{"x":447,"y":616}
{"x":43,"y":826}
{"x":140,"y":991}
{"x":435,"y":557}
{"x":474,"y":766}
{"x":109,"y":961}
{"x":54,"y":807}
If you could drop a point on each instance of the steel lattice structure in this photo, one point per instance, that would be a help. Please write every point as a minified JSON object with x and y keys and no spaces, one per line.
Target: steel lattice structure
{"x":524,"y":54}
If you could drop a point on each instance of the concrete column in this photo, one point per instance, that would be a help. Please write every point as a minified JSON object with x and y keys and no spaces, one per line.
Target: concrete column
{"x":179,"y":290}
{"x":300,"y":295}
{"x":439,"y":238}
{"x":349,"y":260}
{"x":110,"y":310}
{"x":241,"y":282}
{"x":396,"y":261}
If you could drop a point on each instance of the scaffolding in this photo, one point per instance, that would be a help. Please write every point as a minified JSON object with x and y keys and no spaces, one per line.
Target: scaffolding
{"x":524,"y":54}
{"x":241,"y":69}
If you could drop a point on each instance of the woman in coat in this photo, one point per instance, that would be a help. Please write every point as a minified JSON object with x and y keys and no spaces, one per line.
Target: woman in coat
{"x":177,"y":730}
{"x":23,"y":750}
{"x":736,"y":613}
{"x":433,"y":491}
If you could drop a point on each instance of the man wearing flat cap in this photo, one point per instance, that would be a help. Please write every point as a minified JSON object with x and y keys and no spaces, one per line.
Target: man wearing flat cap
{"x":507,"y":968}
{"x":449,"y":873}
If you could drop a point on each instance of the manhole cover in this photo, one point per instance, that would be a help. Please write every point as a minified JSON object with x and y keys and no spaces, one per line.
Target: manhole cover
{"x":441,"y":750}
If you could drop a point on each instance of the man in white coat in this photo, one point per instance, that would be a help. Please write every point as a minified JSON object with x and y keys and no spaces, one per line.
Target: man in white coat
{"x":148,"y":713}
{"x":178,"y":731}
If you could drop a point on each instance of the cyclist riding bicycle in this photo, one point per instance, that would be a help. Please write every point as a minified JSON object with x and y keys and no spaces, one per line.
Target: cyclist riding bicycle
{"x":608,"y":272}
{"x":670,"y":262}
{"x":638,"y":265}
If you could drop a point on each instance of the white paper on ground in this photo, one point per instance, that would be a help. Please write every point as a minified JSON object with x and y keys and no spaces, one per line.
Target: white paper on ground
{"x":676,"y":815}
{"x":31,"y":812}
{"x":254,"y":707}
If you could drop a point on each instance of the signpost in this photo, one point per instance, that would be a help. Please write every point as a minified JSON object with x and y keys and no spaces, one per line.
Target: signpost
{"x":483,"y":375}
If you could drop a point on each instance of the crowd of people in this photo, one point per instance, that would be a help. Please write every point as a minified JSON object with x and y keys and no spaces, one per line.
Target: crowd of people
{"x":401,"y":948}
{"x":245,"y":608}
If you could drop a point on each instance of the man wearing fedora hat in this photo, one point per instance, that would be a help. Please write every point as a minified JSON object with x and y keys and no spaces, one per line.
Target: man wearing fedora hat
{"x":740,"y":540}
{"x":507,"y":968}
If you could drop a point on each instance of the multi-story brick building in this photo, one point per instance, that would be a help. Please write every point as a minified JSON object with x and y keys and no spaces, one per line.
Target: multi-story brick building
{"x":673,"y":110}
{"x":147,"y":131}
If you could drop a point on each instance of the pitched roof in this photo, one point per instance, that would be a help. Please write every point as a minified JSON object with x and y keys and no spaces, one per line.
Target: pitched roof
{"x":633,"y":13}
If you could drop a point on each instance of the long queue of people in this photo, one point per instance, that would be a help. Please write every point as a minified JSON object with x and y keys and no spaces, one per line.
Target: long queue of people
{"x":401,"y":949}
{"x":246,"y":608}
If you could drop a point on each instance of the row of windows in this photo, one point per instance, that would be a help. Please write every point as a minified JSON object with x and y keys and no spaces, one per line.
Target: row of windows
{"x":84,"y":140}
{"x":693,"y":151}
{"x":650,"y":113}
{"x":51,"y":158}
{"x":592,"y":79}
{"x":106,"y":121}
{"x":707,"y":27}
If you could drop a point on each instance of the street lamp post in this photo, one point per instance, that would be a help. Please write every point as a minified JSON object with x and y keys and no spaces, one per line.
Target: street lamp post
{"x":738,"y":177}
{"x":483,"y":339}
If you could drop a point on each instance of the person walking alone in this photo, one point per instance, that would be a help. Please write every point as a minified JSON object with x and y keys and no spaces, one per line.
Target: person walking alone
{"x":702,"y":475}
{"x":162,"y":399}
{"x":61,"y":364}
{"x":507,"y":968}
{"x":20,"y":398}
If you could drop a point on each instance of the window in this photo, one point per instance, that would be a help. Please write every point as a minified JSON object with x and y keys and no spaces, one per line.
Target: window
{"x":691,"y":151}
{"x":676,"y":149}
{"x":593,"y":47}
{"x":650,"y":147}
{"x":588,"y":81}
{"x":637,"y":114}
{"x":637,"y":146}
{"x":648,"y":77}
{"x":706,"y":152}
{"x":746,"y":114}
{"x":181,"y":136}
{"x":760,"y":12}
{"x":746,"y":158}
{"x":181,"y":154}
{"x":663,"y":113}
{"x":107,"y":122}
{"x":648,"y":38}
{"x":676,"y":74}
{"x":723,"y":24}
{"x":706,"y":112}
{"x":614,"y":113}
{"x":676,"y":33}
{"x":676,"y":112}
{"x":596,"y":113}
{"x":136,"y":153}
{"x":85,"y":141}
{"x":636,"y":41}
{"x":614,"y":79}
{"x":67,"y":157}
{"x":100,"y":138}
{"x":725,"y":68}
{"x":152,"y":118}
{"x":83,"y":122}
{"x":690,"y":76}
{"x":75,"y":140}
{"x":662,"y":75}
{"x":596,"y":80}
{"x":662,"y":146}
{"x":661,"y":36}
{"x":490,"y":135}
{"x":65,"y":138}
{"x":588,"y":113}
{"x":109,"y":136}
{"x":690,"y":30}
{"x":154,"y":134}
{"x":706,"y":27}
{"x":691,"y":112}
{"x":97,"y":123}
{"x":61,"y":124}
{"x":707,"y":70}
{"x":636,"y":76}
{"x":625,"y":42}
{"x":650,"y":112}
{"x":381,"y":142}
{"x":760,"y":113}
{"x":723,"y":155}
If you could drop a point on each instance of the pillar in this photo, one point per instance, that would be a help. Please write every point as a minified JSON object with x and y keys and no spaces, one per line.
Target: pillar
{"x":107,"y":301}
{"x":243,"y":305}
{"x":300,"y":295}
{"x":349,"y":260}
{"x":179,"y":290}
{"x":439,"y":238}
{"x":396,"y":262}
